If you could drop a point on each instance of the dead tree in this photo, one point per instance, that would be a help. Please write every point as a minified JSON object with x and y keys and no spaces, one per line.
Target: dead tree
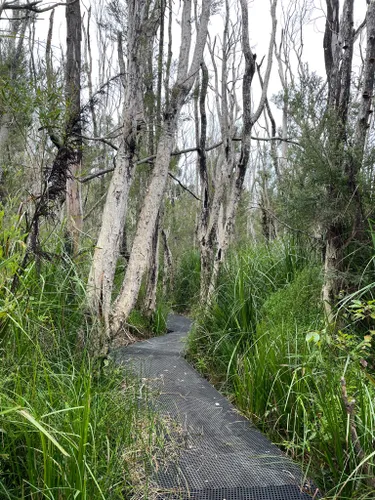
{"x":73,"y":130}
{"x":219,"y":209}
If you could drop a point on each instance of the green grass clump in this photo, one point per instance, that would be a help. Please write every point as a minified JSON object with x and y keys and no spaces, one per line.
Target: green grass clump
{"x":310,"y":386}
{"x":246,"y":281}
{"x":185,"y":295}
{"x":71,"y":426}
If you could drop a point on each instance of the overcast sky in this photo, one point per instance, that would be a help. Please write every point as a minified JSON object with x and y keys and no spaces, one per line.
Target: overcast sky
{"x":259,"y":25}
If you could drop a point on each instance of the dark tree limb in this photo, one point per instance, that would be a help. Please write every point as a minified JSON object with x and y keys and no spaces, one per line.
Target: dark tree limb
{"x":183,"y":187}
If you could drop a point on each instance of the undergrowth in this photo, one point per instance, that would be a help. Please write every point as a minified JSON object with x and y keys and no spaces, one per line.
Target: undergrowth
{"x":70,"y":427}
{"x":186,"y":290}
{"x":264,"y":341}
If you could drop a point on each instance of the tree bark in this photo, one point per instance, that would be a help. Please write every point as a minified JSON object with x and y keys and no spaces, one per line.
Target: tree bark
{"x":102,"y":272}
{"x":73,"y":127}
{"x":347,"y":160}
{"x":168,"y":266}
{"x":141,"y":249}
{"x":206,"y":246}
{"x":152,"y":278}
{"x":227,"y":208}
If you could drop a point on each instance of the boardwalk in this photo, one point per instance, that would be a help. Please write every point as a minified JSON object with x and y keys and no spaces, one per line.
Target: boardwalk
{"x":222,"y":455}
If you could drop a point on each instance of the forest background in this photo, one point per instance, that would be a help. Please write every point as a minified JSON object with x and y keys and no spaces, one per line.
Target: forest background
{"x":200,"y":157}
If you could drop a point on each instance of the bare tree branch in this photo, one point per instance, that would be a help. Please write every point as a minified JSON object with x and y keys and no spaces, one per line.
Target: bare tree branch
{"x":177,"y":152}
{"x":99,"y":139}
{"x":183,"y":186}
{"x":33,"y":6}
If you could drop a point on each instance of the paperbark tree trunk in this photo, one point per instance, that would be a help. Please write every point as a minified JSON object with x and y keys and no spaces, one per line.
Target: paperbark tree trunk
{"x":152,"y":278}
{"x":141,"y":249}
{"x":102,"y":272}
{"x":168,"y":277}
{"x":338,"y":45}
{"x":229,"y":183}
{"x":204,"y":238}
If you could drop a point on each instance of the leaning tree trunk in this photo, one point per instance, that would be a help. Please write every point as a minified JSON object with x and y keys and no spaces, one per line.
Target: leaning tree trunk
{"x":102,"y":272}
{"x":141,"y":249}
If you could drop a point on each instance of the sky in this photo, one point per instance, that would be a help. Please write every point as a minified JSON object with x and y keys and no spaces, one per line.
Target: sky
{"x":259,"y":26}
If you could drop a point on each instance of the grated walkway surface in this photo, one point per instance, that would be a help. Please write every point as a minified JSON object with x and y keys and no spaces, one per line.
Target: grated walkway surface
{"x":223,"y":456}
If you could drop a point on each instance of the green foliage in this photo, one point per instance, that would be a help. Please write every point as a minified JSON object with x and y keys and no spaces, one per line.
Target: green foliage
{"x":264,"y":340}
{"x":245,"y":282}
{"x":50,"y":107}
{"x":71,"y":427}
{"x":187,"y":282}
{"x":16,"y":98}
{"x":142,"y":327}
{"x":159,"y":320}
{"x":12,"y":246}
{"x":317,"y":190}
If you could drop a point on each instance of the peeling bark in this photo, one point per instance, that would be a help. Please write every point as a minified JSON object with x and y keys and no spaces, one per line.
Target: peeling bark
{"x":152,"y":275}
{"x":228,"y":189}
{"x":168,"y":278}
{"x":102,"y":272}
{"x":141,"y":249}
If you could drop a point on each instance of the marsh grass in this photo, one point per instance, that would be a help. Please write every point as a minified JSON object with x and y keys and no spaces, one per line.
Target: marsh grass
{"x":264,"y":342}
{"x":70,"y":426}
{"x":185,"y":295}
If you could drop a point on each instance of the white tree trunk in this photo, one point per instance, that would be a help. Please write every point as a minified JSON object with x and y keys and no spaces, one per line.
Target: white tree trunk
{"x":168,"y":266}
{"x":74,"y":219}
{"x":229,"y":183}
{"x":102,"y":272}
{"x":141,"y":249}
{"x":103,"y":267}
{"x":149,"y":305}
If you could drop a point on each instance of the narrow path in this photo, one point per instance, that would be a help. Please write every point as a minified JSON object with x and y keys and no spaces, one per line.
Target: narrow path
{"x":223,"y":456}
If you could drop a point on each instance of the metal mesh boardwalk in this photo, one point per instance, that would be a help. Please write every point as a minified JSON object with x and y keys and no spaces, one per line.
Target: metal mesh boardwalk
{"x":223,"y":457}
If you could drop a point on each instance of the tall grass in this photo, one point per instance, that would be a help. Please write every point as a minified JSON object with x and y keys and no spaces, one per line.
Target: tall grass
{"x":264,"y":340}
{"x":70,"y":427}
{"x":185,"y":294}
{"x":245,"y":282}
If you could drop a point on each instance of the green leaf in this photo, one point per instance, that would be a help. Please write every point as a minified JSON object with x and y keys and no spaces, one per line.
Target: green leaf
{"x":9,"y":410}
{"x":49,"y":436}
{"x":313,"y":337}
